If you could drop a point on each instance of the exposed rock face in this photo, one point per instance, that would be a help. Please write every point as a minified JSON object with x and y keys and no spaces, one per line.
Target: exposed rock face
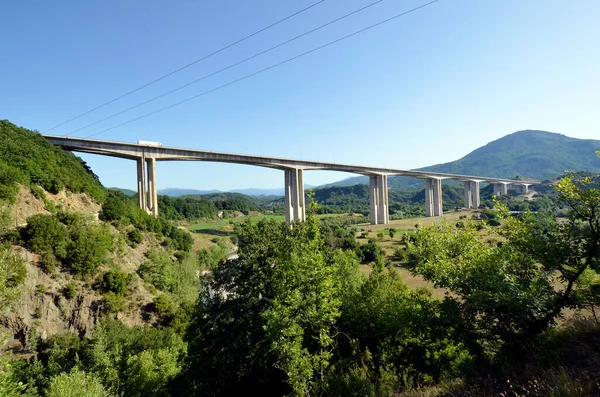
{"x":44,"y":307}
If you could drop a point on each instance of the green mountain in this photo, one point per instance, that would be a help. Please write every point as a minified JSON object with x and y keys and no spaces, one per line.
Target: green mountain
{"x":534,"y":154}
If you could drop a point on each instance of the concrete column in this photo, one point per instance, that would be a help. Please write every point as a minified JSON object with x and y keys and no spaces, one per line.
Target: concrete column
{"x":295,"y":210}
{"x":504,"y":188}
{"x":475,"y":198}
{"x":298,"y":195}
{"x":497,"y":189}
{"x":152,"y":191}
{"x":141,"y":183}
{"x":429,"y":197}
{"x":383,"y":215}
{"x":468,"y":195}
{"x":437,"y":197}
{"x":524,"y":189}
{"x":289,"y":209}
{"x":373,"y":198}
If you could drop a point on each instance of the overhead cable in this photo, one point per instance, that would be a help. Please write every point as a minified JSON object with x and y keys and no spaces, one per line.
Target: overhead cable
{"x":266,"y":69}
{"x":227,"y":67}
{"x":187,"y":66}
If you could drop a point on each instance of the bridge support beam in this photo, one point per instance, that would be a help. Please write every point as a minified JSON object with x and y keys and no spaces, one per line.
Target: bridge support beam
{"x":433,"y":197}
{"x":141,"y":183}
{"x":475,"y":197}
{"x":472,"y":198}
{"x":152,"y":191}
{"x":468,"y":195}
{"x":522,"y":189}
{"x":378,"y":197}
{"x":295,"y":210}
{"x":500,"y":189}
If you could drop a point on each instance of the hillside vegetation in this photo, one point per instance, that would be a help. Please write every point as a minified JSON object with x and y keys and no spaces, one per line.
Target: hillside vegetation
{"x":29,"y":159}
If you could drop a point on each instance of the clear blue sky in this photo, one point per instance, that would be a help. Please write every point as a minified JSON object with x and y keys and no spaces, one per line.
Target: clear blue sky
{"x":424,"y":89}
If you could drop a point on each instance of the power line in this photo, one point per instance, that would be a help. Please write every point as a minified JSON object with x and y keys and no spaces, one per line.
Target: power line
{"x":227,"y":67}
{"x":188,"y":65}
{"x":267,"y":68}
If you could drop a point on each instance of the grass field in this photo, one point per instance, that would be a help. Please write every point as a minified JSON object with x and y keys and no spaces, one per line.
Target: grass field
{"x":220,"y":223}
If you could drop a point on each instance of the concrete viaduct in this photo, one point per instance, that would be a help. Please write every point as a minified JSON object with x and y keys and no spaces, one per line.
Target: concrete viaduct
{"x":147,"y":154}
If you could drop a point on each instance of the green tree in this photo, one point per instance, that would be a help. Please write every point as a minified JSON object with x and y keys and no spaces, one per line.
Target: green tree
{"x":76,"y":384}
{"x":505,"y":293}
{"x":266,"y":318}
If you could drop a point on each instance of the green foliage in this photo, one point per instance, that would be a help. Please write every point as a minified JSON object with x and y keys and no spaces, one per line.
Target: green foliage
{"x":69,"y":239}
{"x":405,"y":330}
{"x":135,"y":237}
{"x":164,"y":306}
{"x":179,"y":208}
{"x":88,"y":248}
{"x":76,"y":384}
{"x":115,"y":281}
{"x":114,"y":303}
{"x":27,"y":158}
{"x":9,"y":387}
{"x":158,"y":270}
{"x":135,"y":361}
{"x":370,"y":252}
{"x":46,"y":234}
{"x":12,"y":275}
{"x":504,"y":294}
{"x":211,"y":257}
{"x":70,"y":290}
{"x":265,"y":316}
{"x":123,"y":210}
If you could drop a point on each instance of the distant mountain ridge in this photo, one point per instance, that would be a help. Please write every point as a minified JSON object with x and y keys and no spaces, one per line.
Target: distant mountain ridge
{"x":529,"y":153}
{"x":175,"y":192}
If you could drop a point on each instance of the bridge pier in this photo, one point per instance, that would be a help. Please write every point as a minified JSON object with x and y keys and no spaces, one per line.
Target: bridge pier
{"x":152,"y":190}
{"x":295,"y":210}
{"x":472,"y":198}
{"x":141,"y":183}
{"x":146,"y":185}
{"x":433,"y":197}
{"x":378,"y":197}
{"x":522,"y":189}
{"x":500,"y":189}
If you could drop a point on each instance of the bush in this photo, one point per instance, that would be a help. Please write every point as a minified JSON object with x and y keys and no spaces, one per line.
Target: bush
{"x":369,"y":252}
{"x":115,"y":281}
{"x":164,"y":306}
{"x":158,"y":270}
{"x":135,"y":237}
{"x":76,"y":383}
{"x":70,"y":290}
{"x":114,"y":303}
{"x":46,"y":234}
{"x":48,"y":262}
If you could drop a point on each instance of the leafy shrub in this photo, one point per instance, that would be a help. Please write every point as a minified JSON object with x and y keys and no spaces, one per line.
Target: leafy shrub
{"x":70,"y":290}
{"x":75,"y":382}
{"x":370,"y":252}
{"x":135,"y":237}
{"x":114,"y":303}
{"x":115,"y":281}
{"x":164,"y":306}
{"x":48,"y":262}
{"x":46,"y":234}
{"x":158,"y":270}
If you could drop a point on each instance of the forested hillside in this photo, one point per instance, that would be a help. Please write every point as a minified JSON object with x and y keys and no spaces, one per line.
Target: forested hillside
{"x":27,"y":158}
